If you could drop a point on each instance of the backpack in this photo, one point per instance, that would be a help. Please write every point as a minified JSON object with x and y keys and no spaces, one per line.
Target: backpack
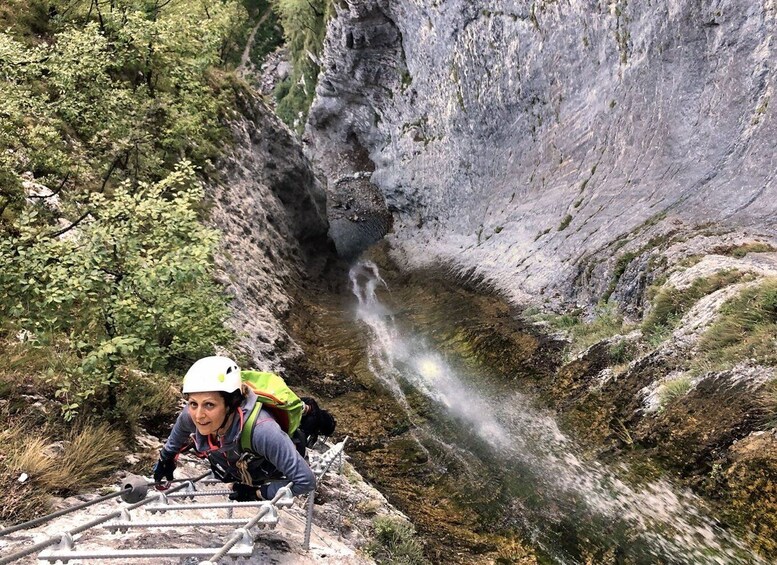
{"x":277,"y":398}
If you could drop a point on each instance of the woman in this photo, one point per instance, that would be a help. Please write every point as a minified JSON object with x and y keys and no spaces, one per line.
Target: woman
{"x":217,"y":406}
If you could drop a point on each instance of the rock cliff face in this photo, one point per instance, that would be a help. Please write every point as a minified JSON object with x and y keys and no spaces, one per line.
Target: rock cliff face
{"x":555,"y":148}
{"x":270,"y":209}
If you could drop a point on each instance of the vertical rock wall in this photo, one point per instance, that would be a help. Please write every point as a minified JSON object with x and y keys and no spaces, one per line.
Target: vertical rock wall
{"x":271,"y":211}
{"x":537,"y":143}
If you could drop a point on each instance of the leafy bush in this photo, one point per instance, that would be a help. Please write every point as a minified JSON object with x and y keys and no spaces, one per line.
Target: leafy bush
{"x":131,"y":287}
{"x":395,"y":543}
{"x":104,"y":124}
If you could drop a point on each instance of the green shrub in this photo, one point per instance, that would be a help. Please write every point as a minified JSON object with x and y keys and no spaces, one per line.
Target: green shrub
{"x":395,"y":543}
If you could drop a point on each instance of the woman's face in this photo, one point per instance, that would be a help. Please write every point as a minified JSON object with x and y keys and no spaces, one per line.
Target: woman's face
{"x":207,"y":409}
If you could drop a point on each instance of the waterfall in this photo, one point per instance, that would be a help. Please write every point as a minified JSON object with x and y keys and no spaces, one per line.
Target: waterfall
{"x":568,"y":496}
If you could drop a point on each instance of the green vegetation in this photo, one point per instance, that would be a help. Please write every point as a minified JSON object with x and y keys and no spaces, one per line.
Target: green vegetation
{"x":110,"y":115}
{"x":671,"y":390}
{"x":740,"y":251}
{"x":104,"y":125}
{"x":406,"y":79}
{"x":620,"y":267}
{"x":269,"y":34}
{"x":395,"y":543}
{"x":745,"y":328}
{"x":565,"y":222}
{"x":540,"y":234}
{"x":622,"y":352}
{"x":304,"y":28}
{"x":606,"y":323}
{"x":670,"y":304}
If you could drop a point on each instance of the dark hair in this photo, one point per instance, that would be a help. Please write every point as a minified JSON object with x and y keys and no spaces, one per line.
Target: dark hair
{"x":232,"y":399}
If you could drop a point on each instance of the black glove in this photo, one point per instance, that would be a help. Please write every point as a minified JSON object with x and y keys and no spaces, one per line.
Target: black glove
{"x":164,"y":469}
{"x":244,"y":493}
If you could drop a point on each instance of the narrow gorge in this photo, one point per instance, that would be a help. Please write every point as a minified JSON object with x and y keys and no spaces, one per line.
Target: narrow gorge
{"x":523,"y":250}
{"x":586,"y":171}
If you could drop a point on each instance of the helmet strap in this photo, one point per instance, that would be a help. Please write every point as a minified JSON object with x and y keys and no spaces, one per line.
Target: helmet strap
{"x":226,"y":420}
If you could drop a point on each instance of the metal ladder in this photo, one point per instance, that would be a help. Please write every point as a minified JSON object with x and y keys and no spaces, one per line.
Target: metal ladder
{"x":180,"y":498}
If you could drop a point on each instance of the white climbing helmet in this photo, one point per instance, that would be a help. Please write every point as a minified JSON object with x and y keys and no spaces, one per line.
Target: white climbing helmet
{"x":211,"y":374}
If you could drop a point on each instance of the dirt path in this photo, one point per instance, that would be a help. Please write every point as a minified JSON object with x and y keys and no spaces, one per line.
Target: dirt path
{"x":245,"y":58}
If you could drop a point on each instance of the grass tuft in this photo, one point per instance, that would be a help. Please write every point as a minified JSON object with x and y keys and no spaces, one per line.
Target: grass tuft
{"x":768,"y":403}
{"x":745,"y":328}
{"x":740,"y":251}
{"x":86,"y":456}
{"x":670,"y":391}
{"x":606,"y":323}
{"x":395,"y":543}
{"x":670,"y":304}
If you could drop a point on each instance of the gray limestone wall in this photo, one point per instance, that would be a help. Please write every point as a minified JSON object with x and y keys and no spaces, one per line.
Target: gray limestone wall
{"x":552,"y":148}
{"x":271,"y":211}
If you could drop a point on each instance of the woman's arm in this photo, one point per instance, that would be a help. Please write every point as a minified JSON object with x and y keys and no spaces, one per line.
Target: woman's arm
{"x":270,"y":441}
{"x":179,"y":436}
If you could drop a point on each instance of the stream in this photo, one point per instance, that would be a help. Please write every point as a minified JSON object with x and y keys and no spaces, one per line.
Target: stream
{"x":540,"y":484}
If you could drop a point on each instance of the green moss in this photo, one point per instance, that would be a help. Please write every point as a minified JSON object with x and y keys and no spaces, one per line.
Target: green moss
{"x":565,"y":222}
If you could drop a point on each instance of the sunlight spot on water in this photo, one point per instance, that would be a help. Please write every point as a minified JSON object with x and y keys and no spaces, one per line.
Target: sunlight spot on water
{"x":429,"y":369}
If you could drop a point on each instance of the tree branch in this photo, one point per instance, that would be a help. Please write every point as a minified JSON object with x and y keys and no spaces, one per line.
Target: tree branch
{"x":70,"y":227}
{"x":53,"y":193}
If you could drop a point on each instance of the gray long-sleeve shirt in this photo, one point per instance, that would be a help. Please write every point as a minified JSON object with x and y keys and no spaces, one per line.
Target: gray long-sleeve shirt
{"x":268,"y":441}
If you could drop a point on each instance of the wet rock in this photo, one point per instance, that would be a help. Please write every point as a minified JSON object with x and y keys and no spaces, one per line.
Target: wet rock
{"x":746,"y":481}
